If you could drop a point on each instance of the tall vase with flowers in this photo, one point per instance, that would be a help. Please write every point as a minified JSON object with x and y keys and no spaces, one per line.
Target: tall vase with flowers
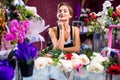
{"x":23,"y":51}
{"x":25,"y":54}
{"x":100,"y":21}
{"x":96,"y":26}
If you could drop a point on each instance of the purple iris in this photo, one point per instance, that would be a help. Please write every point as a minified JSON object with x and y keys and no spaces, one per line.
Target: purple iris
{"x":25,"y":51}
{"x":6,"y":70}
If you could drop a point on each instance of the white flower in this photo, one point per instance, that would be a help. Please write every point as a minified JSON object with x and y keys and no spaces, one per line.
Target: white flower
{"x":76,"y":63}
{"x":32,"y":9}
{"x":97,"y":58}
{"x":75,"y":56}
{"x":18,"y":2}
{"x":95,"y":67}
{"x":83,"y":10}
{"x":87,"y":9}
{"x":40,"y":63}
{"x":84,"y":59}
{"x":49,"y":61}
{"x":65,"y":65}
{"x":102,"y":21}
{"x":106,"y":4}
{"x":100,"y":13}
{"x":96,"y":54}
{"x":61,"y":56}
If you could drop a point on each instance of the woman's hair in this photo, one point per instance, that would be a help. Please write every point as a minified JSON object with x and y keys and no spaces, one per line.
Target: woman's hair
{"x":69,"y":7}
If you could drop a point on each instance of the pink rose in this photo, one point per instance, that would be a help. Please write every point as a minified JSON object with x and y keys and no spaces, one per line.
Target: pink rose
{"x":118,"y":9}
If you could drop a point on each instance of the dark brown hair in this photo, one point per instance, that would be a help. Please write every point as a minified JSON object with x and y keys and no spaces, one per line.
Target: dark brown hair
{"x":69,"y":7}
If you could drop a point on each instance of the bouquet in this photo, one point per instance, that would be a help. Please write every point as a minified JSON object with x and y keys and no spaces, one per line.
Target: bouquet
{"x":113,"y":65}
{"x":25,"y":54}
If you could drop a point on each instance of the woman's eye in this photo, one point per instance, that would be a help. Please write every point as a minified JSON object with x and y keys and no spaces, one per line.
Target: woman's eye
{"x":65,"y":11}
{"x":60,"y":11}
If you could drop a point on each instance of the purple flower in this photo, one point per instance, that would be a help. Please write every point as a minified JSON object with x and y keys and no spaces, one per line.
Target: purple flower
{"x":6,"y":71}
{"x":25,"y":51}
{"x":17,"y":29}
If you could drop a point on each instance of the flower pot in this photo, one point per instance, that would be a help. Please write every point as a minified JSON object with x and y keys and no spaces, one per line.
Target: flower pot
{"x":6,"y":71}
{"x":26,"y":69}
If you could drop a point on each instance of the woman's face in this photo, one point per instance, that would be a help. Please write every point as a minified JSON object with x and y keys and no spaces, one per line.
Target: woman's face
{"x":63,"y":13}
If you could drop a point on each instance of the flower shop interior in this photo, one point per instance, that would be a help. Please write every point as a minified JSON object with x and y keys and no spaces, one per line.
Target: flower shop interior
{"x":27,"y":51}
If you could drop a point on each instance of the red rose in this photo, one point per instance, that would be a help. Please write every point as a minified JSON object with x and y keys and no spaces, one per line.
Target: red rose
{"x":68,"y":56}
{"x":114,"y":69}
{"x":114,"y":15}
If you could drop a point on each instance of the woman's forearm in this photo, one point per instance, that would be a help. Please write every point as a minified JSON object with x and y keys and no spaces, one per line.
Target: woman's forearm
{"x":60,"y":42}
{"x":72,"y":49}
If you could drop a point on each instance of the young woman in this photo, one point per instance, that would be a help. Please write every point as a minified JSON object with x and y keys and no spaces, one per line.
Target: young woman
{"x":63,"y":35}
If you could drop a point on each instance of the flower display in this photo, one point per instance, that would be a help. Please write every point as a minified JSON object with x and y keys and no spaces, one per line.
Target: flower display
{"x":17,"y":31}
{"x":25,"y":52}
{"x":42,"y":62}
{"x":65,"y":65}
{"x":112,"y":66}
{"x":114,"y":69}
{"x":95,"y":23}
{"x":113,"y":16}
{"x":100,"y":21}
{"x":84,"y":13}
{"x":95,"y":67}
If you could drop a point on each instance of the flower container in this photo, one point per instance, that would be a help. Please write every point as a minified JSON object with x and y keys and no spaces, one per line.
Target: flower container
{"x":96,"y":76}
{"x":26,"y":69}
{"x":82,"y":74}
{"x":116,"y":77}
{"x":112,"y":77}
{"x":43,"y":73}
{"x":6,"y":70}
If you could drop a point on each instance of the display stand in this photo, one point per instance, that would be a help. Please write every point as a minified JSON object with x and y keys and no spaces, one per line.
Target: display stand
{"x":111,"y":27}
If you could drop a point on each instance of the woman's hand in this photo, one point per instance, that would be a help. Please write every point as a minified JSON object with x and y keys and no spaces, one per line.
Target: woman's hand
{"x":61,"y":25}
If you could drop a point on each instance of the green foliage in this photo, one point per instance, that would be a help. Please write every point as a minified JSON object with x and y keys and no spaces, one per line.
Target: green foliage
{"x":24,"y":13}
{"x":112,"y":61}
{"x":88,"y":52}
{"x":55,"y":53}
{"x":45,"y":51}
{"x":110,"y":11}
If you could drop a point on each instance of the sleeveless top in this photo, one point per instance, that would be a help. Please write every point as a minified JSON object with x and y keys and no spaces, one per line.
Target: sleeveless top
{"x":69,"y":42}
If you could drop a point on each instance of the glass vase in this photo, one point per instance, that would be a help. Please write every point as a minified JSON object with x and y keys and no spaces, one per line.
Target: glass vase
{"x":41,"y":74}
{"x":81,"y":74}
{"x":116,"y":77}
{"x":96,"y":42}
{"x":96,"y":76}
{"x":99,"y":42}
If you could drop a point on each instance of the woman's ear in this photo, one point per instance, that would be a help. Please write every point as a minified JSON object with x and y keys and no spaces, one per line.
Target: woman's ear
{"x":70,"y":16}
